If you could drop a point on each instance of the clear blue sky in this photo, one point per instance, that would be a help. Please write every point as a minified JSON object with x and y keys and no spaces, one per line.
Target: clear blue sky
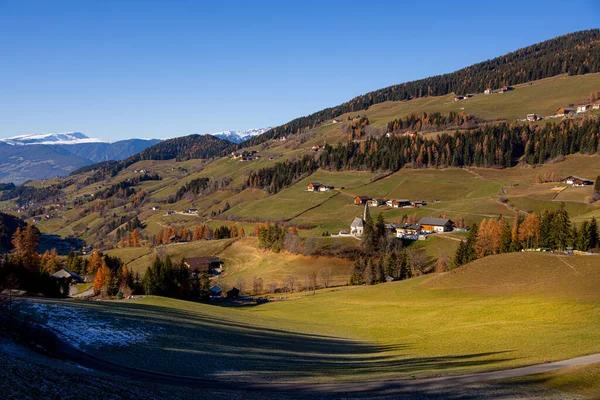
{"x":120,"y":69}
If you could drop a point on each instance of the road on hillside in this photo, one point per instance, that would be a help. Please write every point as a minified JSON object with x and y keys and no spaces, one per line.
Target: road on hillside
{"x":383,"y":387}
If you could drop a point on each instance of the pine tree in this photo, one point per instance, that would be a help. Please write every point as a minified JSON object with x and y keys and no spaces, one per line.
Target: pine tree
{"x":391,"y":265}
{"x":560,"y":228}
{"x":594,"y":234}
{"x":357,"y":277}
{"x":405,"y":271}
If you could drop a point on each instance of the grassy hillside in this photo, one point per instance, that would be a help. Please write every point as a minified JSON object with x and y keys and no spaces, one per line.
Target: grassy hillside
{"x":528,"y":307}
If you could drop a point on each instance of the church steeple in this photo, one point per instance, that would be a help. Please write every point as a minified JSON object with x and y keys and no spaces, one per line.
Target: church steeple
{"x":367,"y":213}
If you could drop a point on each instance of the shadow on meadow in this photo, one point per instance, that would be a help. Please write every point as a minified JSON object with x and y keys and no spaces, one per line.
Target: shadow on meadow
{"x":194,"y":344}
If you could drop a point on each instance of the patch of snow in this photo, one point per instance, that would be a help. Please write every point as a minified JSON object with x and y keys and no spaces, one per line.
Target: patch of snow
{"x":81,"y":328}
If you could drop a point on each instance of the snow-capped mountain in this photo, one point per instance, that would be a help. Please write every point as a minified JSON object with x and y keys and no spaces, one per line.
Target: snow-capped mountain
{"x":51,"y":138}
{"x":239,"y":136}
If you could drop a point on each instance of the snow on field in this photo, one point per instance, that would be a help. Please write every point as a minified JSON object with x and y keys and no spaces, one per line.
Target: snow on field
{"x":81,"y":328}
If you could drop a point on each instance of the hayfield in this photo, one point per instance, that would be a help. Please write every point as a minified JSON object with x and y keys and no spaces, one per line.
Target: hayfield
{"x":498,"y":312}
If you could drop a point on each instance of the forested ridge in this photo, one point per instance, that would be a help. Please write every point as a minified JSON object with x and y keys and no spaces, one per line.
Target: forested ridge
{"x":499,"y":145}
{"x":574,"y":54}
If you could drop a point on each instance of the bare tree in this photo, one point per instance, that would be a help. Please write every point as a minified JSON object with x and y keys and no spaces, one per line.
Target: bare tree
{"x":290,"y":282}
{"x":325,"y":275}
{"x":257,"y":285}
{"x":272,"y":287}
{"x":442,"y":263}
{"x":418,"y":260}
{"x":240,"y":283}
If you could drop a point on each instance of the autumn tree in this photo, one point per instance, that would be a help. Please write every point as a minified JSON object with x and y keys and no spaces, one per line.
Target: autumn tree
{"x":25,"y":242}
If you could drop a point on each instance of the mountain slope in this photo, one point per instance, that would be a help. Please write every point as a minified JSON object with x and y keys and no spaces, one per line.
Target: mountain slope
{"x":574,"y":54}
{"x":120,"y":150}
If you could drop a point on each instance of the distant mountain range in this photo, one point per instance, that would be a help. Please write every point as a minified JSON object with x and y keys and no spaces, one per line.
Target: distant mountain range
{"x":48,"y":155}
{"x":239,"y":136}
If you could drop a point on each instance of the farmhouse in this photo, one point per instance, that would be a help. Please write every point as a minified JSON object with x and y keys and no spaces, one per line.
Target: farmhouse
{"x":155,"y":208}
{"x":470,"y":95}
{"x":488,"y":91}
{"x":209,"y":265}
{"x":583,"y":108}
{"x":406,"y":231}
{"x":418,"y":203}
{"x":565,"y":111}
{"x":436,"y":224}
{"x":325,"y":188}
{"x":577,"y":181}
{"x":191,"y":211}
{"x":170,"y":212}
{"x":397,"y":203}
{"x":596,"y":106}
{"x":69,"y":276}
{"x":459,"y":98}
{"x":505,"y":89}
{"x":376,"y":202}
{"x":359,"y":200}
{"x":316,"y":147}
{"x":531,"y":117}
{"x":313,"y":186}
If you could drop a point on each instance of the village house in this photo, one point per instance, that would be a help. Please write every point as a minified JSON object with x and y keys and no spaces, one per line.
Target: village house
{"x":36,"y":219}
{"x":325,"y":188}
{"x":408,"y":231}
{"x":376,"y":202}
{"x":459,"y":98}
{"x":316,"y":147}
{"x":209,"y":265}
{"x":397,"y":203}
{"x":67,"y":275}
{"x":565,"y":111}
{"x":418,"y":203}
{"x":191,"y":211}
{"x":170,"y":212}
{"x":436,"y":224}
{"x":531,"y":117}
{"x":577,"y":181}
{"x":488,"y":91}
{"x":335,"y":121}
{"x":583,"y":108}
{"x":313,"y":187}
{"x":360,"y":200}
{"x":505,"y":89}
{"x":155,"y":208}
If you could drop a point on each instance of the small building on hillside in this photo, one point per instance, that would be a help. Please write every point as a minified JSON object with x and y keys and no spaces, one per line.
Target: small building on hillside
{"x":376,"y":202}
{"x":209,"y":265}
{"x":170,"y":212}
{"x":191,"y":211}
{"x":67,"y":275}
{"x":436,"y":224}
{"x":316,"y":147}
{"x":459,"y":98}
{"x":155,"y":208}
{"x":469,"y":95}
{"x":596,"y":106}
{"x":325,"y":188}
{"x":531,"y":117}
{"x":408,"y":231}
{"x":234,"y":293}
{"x":565,"y":111}
{"x":398,"y":203}
{"x":577,"y":181}
{"x":583,"y":108}
{"x":216,"y":291}
{"x":360,"y":200}
{"x":418,"y":203}
{"x":505,"y":89}
{"x":488,"y":91}
{"x":313,"y":186}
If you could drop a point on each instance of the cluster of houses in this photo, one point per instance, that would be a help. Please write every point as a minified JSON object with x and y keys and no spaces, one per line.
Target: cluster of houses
{"x":487,"y":91}
{"x":565,"y":111}
{"x":319,"y":187}
{"x":245,"y":155}
{"x":418,"y":231}
{"x":393,"y":203}
{"x":140,"y":171}
{"x":467,"y":96}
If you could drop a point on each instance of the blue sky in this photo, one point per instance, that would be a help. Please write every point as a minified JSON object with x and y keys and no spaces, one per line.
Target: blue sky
{"x":120,"y":69}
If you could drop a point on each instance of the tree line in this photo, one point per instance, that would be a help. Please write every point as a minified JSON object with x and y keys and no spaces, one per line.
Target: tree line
{"x":499,"y":145}
{"x":552,"y":230}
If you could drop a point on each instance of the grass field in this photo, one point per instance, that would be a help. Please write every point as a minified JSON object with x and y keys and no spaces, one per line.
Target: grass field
{"x":583,"y":381}
{"x":498,"y":312}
